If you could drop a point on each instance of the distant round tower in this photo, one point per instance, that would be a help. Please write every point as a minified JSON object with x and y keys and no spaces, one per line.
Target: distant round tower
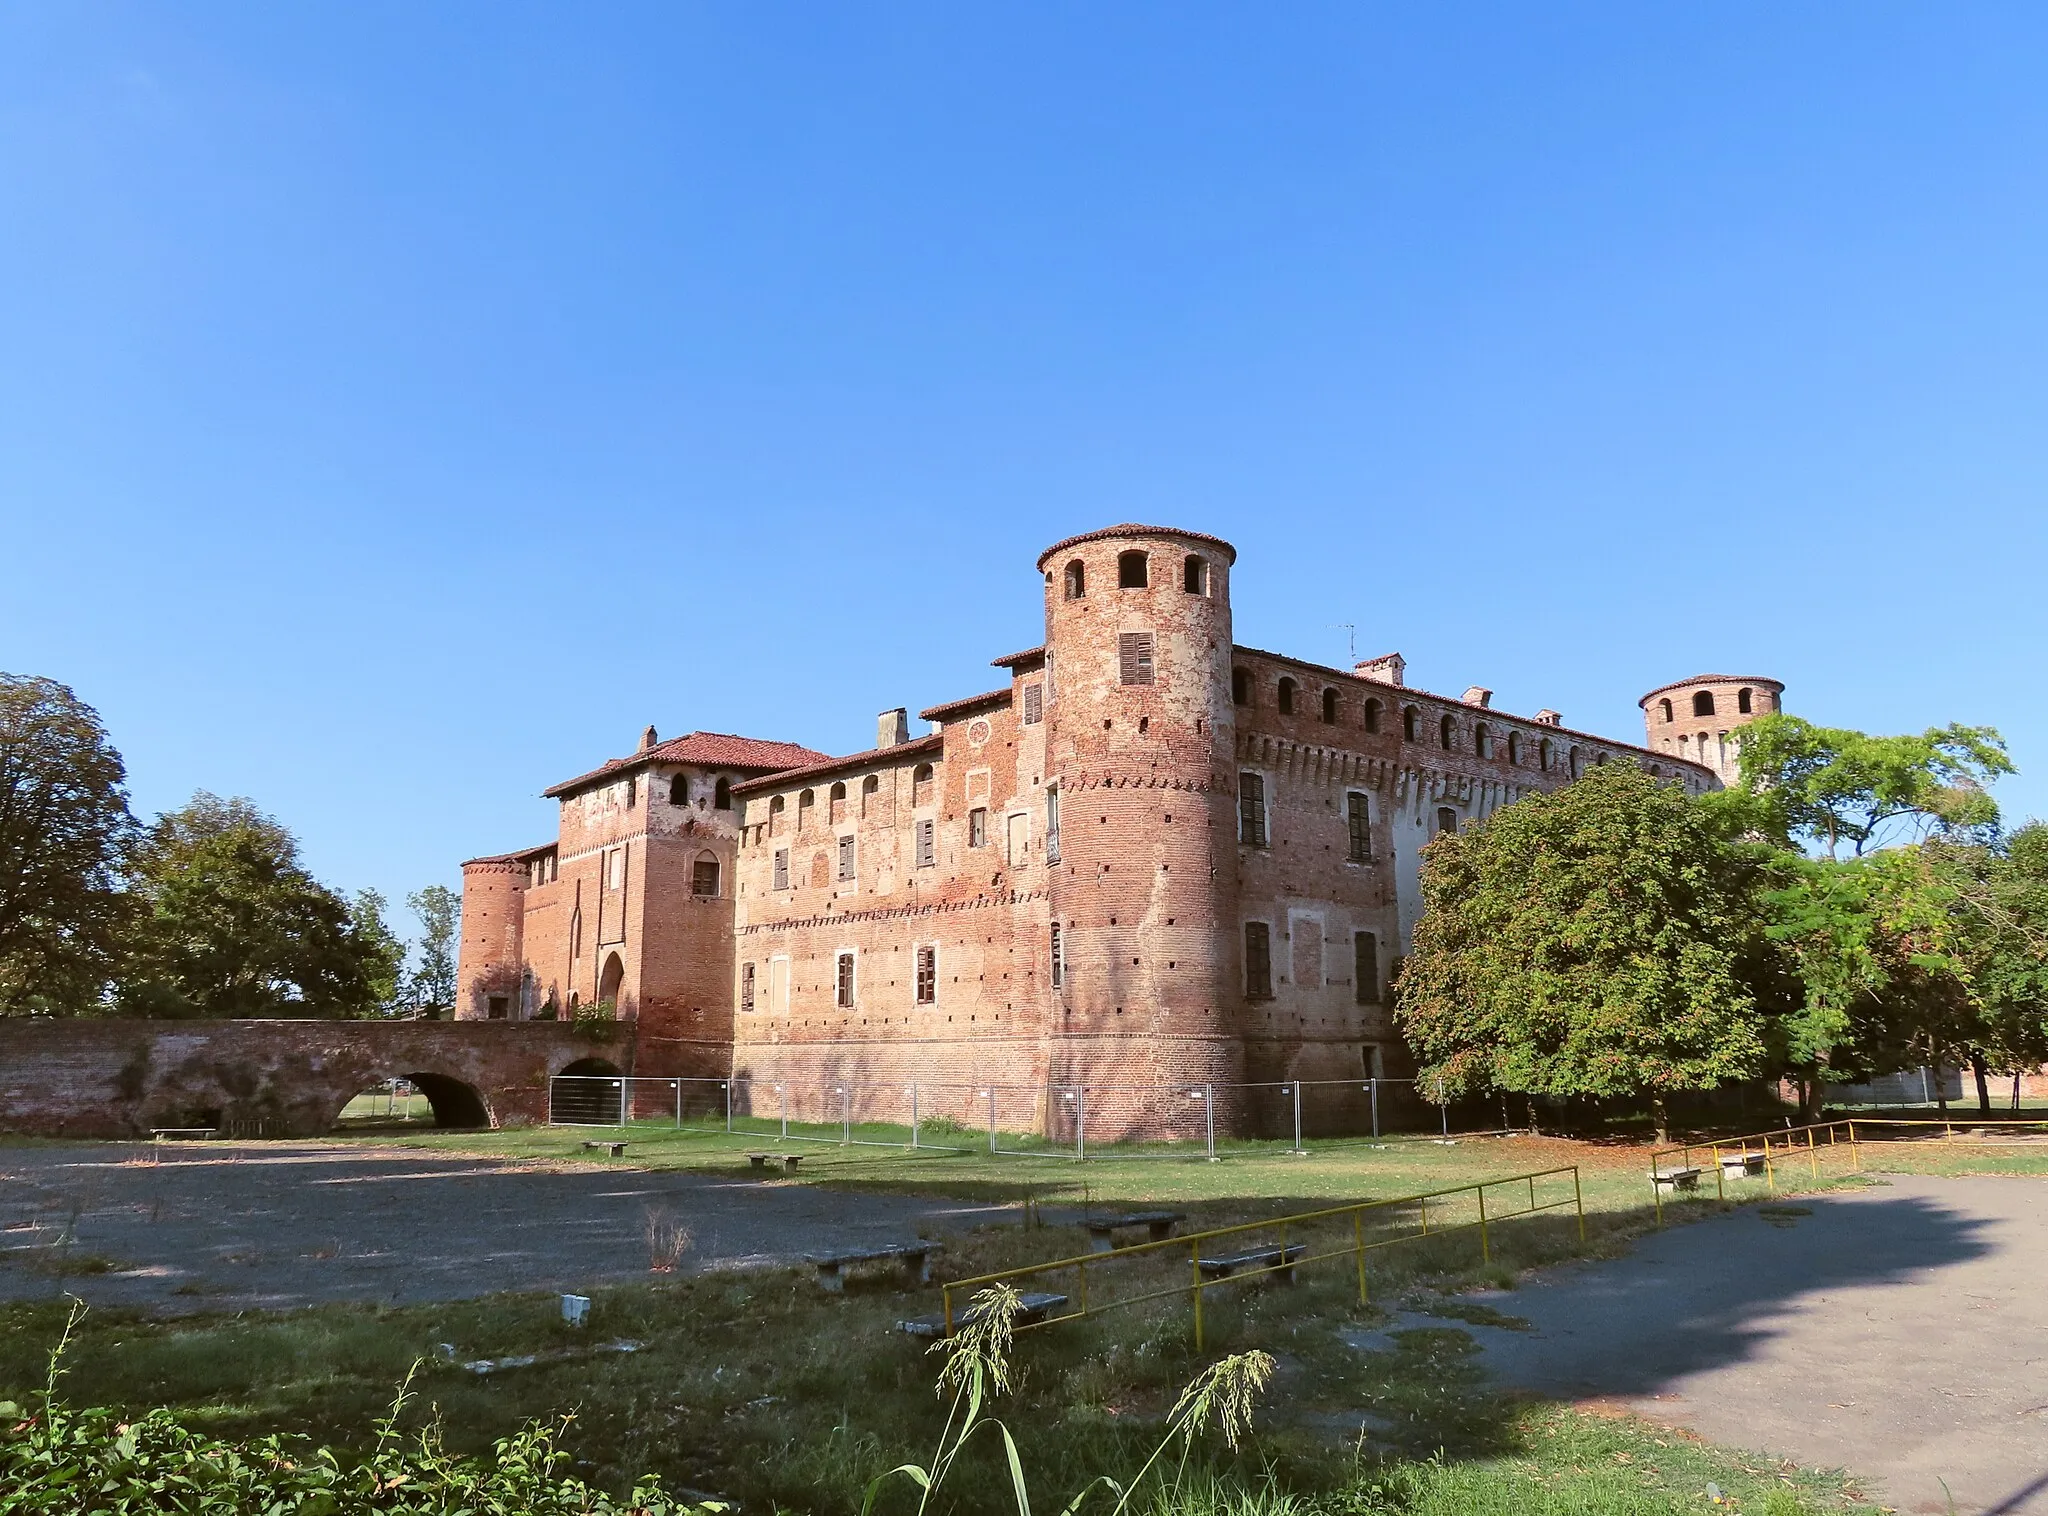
{"x":489,"y":960}
{"x":1697,"y":718}
{"x":1140,"y":740}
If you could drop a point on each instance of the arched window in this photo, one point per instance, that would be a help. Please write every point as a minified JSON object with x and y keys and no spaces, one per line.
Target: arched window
{"x":1515,"y":749}
{"x":721,"y":793}
{"x":1194,"y":574}
{"x":775,"y":810}
{"x":1544,"y":755}
{"x":704,"y":875}
{"x":1077,"y":580}
{"x":1372,"y":715}
{"x":1411,"y":724}
{"x":1286,"y":697}
{"x":1664,"y":706}
{"x":870,"y":789}
{"x":805,"y":804}
{"x":1330,"y":707}
{"x":921,"y":784}
{"x":576,"y":933}
{"x":1446,"y":820}
{"x":1482,"y":740}
{"x":1573,"y":760}
{"x":838,"y":802}
{"x":1703,"y":703}
{"x":1240,"y":687}
{"x":679,"y":790}
{"x":1447,"y":733}
{"x":1741,"y":702}
{"x":1130,"y":570}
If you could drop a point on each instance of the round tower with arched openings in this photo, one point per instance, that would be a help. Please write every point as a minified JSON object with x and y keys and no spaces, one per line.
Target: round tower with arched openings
{"x":488,"y":961}
{"x":1140,"y":740}
{"x":1698,"y":718}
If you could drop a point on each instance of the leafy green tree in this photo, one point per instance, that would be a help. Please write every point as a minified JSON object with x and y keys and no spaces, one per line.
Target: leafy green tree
{"x":433,"y":983}
{"x":1833,"y":786}
{"x":1598,"y":941}
{"x":65,"y":833}
{"x":232,"y":926}
{"x":383,"y":952}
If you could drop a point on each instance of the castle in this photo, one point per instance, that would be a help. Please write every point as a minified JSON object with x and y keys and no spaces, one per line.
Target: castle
{"x":1151,"y":859}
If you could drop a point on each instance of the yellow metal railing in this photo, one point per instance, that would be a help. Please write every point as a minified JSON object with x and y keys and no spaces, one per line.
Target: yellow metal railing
{"x":1291,"y":1257}
{"x":1813,"y":1145}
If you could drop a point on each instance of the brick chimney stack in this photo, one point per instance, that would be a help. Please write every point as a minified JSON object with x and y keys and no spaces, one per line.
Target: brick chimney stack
{"x":892,"y":728}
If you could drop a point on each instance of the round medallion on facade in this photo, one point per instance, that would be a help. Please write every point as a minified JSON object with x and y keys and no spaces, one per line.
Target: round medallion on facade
{"x":979,"y":731}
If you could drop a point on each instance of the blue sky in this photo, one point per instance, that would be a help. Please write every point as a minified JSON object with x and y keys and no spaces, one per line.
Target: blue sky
{"x":400,"y":406}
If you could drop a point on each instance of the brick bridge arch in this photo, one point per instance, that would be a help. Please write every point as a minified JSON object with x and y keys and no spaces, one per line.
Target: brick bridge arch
{"x":105,"y":1078}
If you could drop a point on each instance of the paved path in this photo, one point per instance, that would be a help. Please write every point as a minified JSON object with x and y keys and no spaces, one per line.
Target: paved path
{"x":1900,"y":1332}
{"x":232,"y":1226}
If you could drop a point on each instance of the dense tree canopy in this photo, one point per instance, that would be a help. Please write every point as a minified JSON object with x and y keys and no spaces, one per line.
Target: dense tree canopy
{"x":1601,"y":940}
{"x":229,"y":924}
{"x":65,"y":832}
{"x":433,"y":983}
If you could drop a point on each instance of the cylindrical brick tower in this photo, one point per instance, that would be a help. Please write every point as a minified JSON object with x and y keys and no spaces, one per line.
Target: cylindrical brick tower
{"x":1698,"y":718}
{"x":489,"y":961}
{"x":1140,"y":737}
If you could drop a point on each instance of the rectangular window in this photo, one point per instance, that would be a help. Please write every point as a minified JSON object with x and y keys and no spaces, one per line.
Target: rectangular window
{"x":927,"y":975}
{"x":1446,"y":820}
{"x":926,"y":853}
{"x":1134,"y":657}
{"x":1019,"y":839}
{"x":1034,"y":704}
{"x":1365,"y":967}
{"x":1258,"y":961}
{"x":746,"y":987}
{"x":704,"y":877}
{"x":782,"y":868}
{"x":1360,"y":814}
{"x":1251,"y":809}
{"x":615,"y":868}
{"x":977,"y":827}
{"x":845,"y":858}
{"x":1052,"y":825}
{"x":843,"y":983}
{"x":778,"y":986}
{"x":500,"y":1007}
{"x":1059,"y":958}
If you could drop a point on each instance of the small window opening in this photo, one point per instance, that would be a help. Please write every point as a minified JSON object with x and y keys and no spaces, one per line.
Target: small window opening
{"x":1742,"y":703}
{"x":679,"y":790}
{"x":927,"y":975}
{"x":1372,"y":715}
{"x":1446,"y":820}
{"x":704,"y":875}
{"x":1664,"y":710}
{"x":1286,"y":697}
{"x":926,"y":849}
{"x":1329,"y":707}
{"x":721,"y":794}
{"x":1194,"y":574}
{"x":845,"y":858}
{"x":1703,"y":703}
{"x":1240,"y":687}
{"x":843,"y":985}
{"x":1130,"y":570}
{"x":1258,"y":961}
{"x":977,"y":827}
{"x":921,"y":784}
{"x":782,"y":868}
{"x":1358,"y":810}
{"x":1365,"y":968}
{"x":1447,"y":733}
{"x":746,"y":988}
{"x":1411,"y":725}
{"x":1134,"y":657}
{"x":1077,"y":580}
{"x":1251,"y":809}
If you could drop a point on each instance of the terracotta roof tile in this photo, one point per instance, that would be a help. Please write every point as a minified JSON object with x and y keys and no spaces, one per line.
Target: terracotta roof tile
{"x":934,"y":743}
{"x":711,"y":749}
{"x":961,"y":707}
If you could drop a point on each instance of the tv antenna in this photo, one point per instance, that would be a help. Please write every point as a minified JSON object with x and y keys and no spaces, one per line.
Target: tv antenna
{"x":1351,"y":639}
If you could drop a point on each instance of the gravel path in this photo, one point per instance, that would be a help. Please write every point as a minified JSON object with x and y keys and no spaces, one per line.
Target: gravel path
{"x":234,"y":1226}
{"x":1899,"y":1331}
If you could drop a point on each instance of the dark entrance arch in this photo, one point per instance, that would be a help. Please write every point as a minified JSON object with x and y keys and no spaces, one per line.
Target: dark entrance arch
{"x":453,"y":1103}
{"x":588,"y":1092}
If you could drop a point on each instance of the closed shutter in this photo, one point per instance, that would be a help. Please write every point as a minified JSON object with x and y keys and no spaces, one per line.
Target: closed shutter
{"x":1034,"y":704}
{"x":746,"y":987}
{"x":782,"y":868}
{"x":927,"y":975}
{"x":1258,"y":961}
{"x":925,"y":857}
{"x":1251,"y":810}
{"x":1134,"y":657}
{"x":845,"y":857}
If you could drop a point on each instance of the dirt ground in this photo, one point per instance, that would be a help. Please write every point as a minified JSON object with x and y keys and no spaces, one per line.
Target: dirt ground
{"x":235,"y":1226}
{"x":1899,"y":1331}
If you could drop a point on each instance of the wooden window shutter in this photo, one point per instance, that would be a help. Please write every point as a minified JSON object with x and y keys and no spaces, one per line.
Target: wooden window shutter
{"x":1134,"y":657}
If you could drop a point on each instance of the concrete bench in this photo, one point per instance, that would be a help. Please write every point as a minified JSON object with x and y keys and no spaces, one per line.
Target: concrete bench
{"x":789,"y":1161}
{"x":914,"y":1256}
{"x":175,"y":1133}
{"x":1742,"y":1165}
{"x":1033,"y":1308}
{"x":616,"y":1149}
{"x":1676,"y":1179}
{"x":1278,"y":1262}
{"x":1158,"y":1225}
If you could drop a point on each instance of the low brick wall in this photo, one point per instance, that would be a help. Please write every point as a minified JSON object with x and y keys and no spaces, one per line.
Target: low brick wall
{"x":105,"y":1078}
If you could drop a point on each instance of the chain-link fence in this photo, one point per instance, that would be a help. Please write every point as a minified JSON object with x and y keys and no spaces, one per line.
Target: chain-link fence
{"x":1063,"y":1120}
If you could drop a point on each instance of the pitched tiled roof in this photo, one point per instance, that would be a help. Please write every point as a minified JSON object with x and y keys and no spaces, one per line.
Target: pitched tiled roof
{"x":954,"y":708}
{"x":1759,"y":679}
{"x":1030,"y":657}
{"x":1133,"y":529}
{"x":710,"y":749}
{"x":916,"y":746}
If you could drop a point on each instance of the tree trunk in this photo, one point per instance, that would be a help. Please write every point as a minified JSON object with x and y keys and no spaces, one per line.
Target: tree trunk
{"x":1661,"y":1119}
{"x":1532,"y":1114}
{"x":1813,"y":1097}
{"x":1982,"y":1070}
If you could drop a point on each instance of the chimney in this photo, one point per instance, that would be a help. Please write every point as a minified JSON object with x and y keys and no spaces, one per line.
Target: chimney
{"x":1479,"y":695}
{"x":1549,"y":718}
{"x":1388,"y":668}
{"x":648,"y":739}
{"x":892,"y":728}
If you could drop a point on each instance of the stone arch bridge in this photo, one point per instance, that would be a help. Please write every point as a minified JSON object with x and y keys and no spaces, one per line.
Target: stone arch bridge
{"x":88,"y":1077}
